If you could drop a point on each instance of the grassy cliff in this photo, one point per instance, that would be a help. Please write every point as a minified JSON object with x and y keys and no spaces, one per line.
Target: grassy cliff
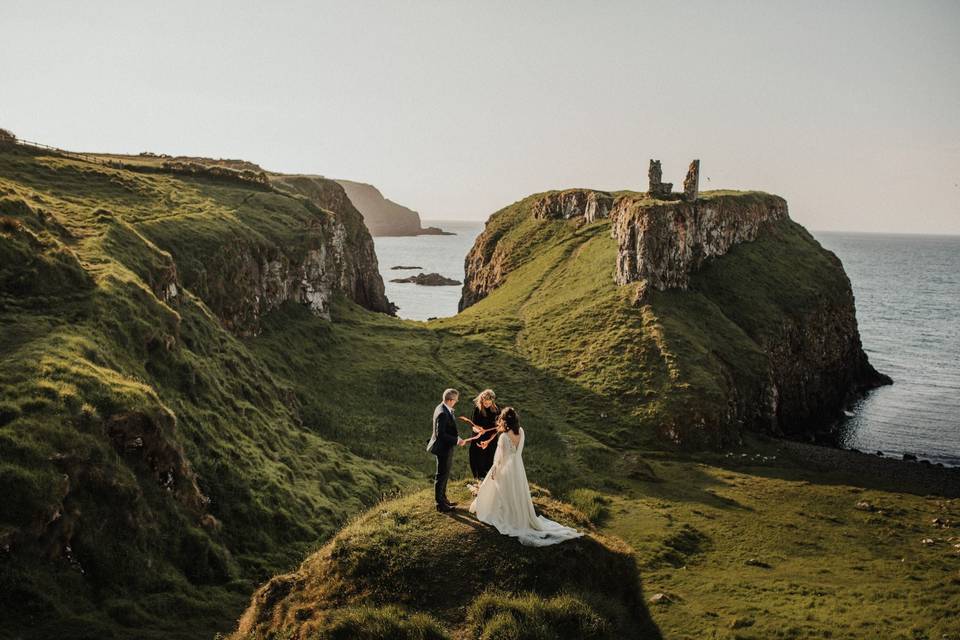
{"x":159,"y":462}
{"x":159,"y":468}
{"x":763,"y":337}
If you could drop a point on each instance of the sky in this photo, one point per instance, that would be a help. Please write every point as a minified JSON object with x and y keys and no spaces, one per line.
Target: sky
{"x":850,"y":110}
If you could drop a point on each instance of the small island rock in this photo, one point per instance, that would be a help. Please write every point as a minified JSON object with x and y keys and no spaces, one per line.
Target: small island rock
{"x":429,"y":280}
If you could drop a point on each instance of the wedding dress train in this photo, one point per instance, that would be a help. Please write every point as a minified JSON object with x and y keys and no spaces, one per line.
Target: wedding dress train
{"x":503,"y":500}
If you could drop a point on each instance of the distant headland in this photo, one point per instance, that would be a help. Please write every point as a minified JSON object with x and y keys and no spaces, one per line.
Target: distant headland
{"x":385,"y":217}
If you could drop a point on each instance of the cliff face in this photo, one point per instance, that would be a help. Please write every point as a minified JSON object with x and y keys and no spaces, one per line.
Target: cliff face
{"x":244,"y":282}
{"x":298,"y":240}
{"x":659,"y":242}
{"x":485,"y":268}
{"x":663,"y":243}
{"x":384,"y":217}
{"x":797,"y":358}
{"x":590,"y":205}
{"x":353,"y":251}
{"x":817,"y":365}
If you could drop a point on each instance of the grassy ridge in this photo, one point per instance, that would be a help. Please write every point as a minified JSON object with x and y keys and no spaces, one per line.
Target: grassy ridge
{"x":223,"y":487}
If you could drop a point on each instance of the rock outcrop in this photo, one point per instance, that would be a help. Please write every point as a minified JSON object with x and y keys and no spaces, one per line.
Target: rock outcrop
{"x":659,"y":242}
{"x":429,"y":280}
{"x":384,"y":217}
{"x":355,"y":258}
{"x":664,"y":242}
{"x":263,"y":277}
{"x":311,"y":247}
{"x":487,"y":263}
{"x":591,"y":205}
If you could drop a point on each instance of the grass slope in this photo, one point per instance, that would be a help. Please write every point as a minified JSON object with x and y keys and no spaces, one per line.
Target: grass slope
{"x":162,"y":536}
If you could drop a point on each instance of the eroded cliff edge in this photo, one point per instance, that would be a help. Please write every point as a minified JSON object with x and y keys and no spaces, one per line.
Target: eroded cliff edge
{"x":760,"y":299}
{"x":297,"y":239}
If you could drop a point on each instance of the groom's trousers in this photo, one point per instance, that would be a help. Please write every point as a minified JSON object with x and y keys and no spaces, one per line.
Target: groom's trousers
{"x":444,"y":464}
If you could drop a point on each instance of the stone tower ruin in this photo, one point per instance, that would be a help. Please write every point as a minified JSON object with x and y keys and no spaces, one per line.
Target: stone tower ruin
{"x":664,"y":190}
{"x":657,"y":188}
{"x":691,"y":184}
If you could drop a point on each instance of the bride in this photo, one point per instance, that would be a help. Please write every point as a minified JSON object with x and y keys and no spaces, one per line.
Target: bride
{"x":503,"y":499}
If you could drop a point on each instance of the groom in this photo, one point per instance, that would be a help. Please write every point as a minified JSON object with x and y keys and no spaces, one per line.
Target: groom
{"x":442,"y":442}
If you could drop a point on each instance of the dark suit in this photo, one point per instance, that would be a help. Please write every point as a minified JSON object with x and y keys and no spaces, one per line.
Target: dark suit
{"x":443,"y":441}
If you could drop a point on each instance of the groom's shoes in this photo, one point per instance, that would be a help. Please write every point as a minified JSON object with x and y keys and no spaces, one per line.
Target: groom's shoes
{"x":451,"y":504}
{"x":445,"y":508}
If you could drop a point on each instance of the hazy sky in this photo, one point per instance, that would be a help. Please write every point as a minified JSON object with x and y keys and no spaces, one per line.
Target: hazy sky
{"x":850,"y":110}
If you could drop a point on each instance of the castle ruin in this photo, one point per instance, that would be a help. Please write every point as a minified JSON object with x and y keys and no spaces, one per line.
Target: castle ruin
{"x":664,"y":190}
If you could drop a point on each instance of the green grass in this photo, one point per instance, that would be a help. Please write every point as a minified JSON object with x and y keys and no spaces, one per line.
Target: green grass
{"x":256,"y":451}
{"x":225,"y":487}
{"x":790,"y":552}
{"x":593,"y":504}
{"x":404,"y":554}
{"x":497,"y":616}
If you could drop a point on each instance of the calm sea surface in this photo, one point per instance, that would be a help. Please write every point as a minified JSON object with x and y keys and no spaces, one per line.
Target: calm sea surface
{"x":435,"y":254}
{"x":907,"y":290}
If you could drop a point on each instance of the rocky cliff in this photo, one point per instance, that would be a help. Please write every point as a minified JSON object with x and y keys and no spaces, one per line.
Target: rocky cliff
{"x":663,"y":242}
{"x":785,"y":297}
{"x":298,"y":239}
{"x":355,"y":254}
{"x":384,"y":217}
{"x":660,"y":242}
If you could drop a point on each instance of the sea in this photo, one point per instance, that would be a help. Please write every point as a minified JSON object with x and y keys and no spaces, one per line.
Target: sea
{"x":429,"y":254}
{"x":907,"y":293}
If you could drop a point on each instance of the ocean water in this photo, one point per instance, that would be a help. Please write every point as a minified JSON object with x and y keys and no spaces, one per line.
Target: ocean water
{"x":435,"y":254}
{"x":907,"y":291}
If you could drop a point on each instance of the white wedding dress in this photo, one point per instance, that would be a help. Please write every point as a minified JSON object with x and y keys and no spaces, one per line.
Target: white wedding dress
{"x":503,"y":500}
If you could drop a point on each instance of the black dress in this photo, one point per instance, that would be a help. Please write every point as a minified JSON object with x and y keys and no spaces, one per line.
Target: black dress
{"x":482,"y":459}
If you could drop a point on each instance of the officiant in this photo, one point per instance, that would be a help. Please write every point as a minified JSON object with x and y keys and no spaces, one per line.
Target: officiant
{"x":485,"y":412}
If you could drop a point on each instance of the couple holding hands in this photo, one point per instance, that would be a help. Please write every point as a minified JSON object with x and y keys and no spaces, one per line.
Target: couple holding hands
{"x":503,"y":497}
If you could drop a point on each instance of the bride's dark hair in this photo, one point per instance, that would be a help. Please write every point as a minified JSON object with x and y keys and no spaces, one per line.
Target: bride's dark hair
{"x":509,"y":419}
